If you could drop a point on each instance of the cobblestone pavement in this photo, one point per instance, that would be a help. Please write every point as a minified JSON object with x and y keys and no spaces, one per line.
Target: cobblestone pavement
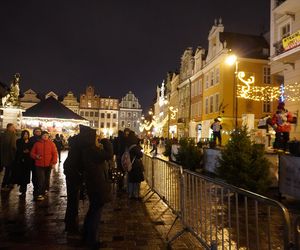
{"x":125,"y":224}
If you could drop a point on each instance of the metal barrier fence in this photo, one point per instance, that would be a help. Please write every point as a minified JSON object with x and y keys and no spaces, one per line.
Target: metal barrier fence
{"x":221,"y":216}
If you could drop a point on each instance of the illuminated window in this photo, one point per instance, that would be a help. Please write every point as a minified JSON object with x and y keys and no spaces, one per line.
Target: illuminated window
{"x":217,"y":75}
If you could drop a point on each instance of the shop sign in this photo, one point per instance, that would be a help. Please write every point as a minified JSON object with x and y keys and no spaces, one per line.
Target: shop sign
{"x":291,"y":41}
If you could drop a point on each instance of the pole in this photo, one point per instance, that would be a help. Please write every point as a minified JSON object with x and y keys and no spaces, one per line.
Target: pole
{"x":235,"y":94}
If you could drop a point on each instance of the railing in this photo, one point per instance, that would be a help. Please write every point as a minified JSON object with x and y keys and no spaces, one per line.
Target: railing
{"x":219,"y":215}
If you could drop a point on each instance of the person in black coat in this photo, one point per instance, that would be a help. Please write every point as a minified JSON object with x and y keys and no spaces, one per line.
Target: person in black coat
{"x":136,"y":175}
{"x":59,"y":145}
{"x":23,"y":162}
{"x":37,"y":132}
{"x":95,"y":158}
{"x":73,"y":170}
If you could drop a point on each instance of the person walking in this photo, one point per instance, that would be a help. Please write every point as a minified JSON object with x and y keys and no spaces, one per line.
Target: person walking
{"x":45,"y":155}
{"x":73,"y":170}
{"x":8,"y":154}
{"x":98,"y":186}
{"x":216,"y":128}
{"x":135,"y":175}
{"x":59,"y":145}
{"x":32,"y":140}
{"x":23,"y":162}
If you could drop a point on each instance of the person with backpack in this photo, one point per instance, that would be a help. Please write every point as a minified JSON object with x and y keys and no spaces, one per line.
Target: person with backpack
{"x":136,"y":169}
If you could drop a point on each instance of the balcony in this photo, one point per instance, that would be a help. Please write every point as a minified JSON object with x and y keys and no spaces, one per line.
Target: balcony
{"x":286,"y":7}
{"x":288,"y":49}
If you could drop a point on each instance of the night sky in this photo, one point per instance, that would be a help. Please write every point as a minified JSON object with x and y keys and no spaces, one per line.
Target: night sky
{"x":115,"y":45}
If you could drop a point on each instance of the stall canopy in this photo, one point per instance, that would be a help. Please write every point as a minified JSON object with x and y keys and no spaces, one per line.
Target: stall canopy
{"x":51,"y":108}
{"x":51,"y":115}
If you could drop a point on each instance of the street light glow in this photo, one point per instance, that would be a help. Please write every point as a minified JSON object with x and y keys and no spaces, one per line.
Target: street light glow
{"x":231,"y":59}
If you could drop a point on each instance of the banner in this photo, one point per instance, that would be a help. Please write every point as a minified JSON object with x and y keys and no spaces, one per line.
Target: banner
{"x":291,"y":41}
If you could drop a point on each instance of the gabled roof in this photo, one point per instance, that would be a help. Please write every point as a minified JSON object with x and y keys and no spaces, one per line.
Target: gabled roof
{"x":51,"y":108}
{"x":248,"y":46}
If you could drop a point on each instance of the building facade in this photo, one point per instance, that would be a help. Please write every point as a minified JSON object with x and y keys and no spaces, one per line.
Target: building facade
{"x":285,"y":54}
{"x":130,"y":113}
{"x":71,"y":102}
{"x":29,"y":99}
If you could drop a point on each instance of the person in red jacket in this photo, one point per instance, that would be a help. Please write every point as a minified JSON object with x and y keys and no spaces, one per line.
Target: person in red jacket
{"x":281,"y":123}
{"x":44,"y":153}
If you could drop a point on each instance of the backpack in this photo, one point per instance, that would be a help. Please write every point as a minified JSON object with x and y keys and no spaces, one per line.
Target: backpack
{"x":125,"y":159}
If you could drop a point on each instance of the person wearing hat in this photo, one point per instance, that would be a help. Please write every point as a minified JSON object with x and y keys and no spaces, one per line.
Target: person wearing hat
{"x":281,"y":123}
{"x":44,"y":153}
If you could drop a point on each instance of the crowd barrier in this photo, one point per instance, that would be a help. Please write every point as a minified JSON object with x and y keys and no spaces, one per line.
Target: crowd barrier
{"x":219,"y":215}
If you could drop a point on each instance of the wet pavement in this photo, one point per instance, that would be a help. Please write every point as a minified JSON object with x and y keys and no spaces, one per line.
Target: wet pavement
{"x":125,"y":224}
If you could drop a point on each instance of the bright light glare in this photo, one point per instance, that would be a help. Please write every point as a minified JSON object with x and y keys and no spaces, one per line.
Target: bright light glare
{"x":230,"y":60}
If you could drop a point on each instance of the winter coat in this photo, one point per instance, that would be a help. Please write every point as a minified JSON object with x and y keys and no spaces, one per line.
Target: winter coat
{"x":73,"y":165}
{"x":8,"y":148}
{"x":136,"y":173}
{"x":96,"y":171}
{"x":23,"y":163}
{"x":46,"y":149}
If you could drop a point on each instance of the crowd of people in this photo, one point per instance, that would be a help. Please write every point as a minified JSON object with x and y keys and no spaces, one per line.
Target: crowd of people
{"x":87,"y":166}
{"x":28,"y":159}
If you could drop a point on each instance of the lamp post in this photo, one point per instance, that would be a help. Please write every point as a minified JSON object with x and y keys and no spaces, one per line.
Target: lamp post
{"x":232,"y":60}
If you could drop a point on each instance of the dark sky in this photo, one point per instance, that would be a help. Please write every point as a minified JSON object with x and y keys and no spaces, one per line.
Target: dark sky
{"x":116,"y":45}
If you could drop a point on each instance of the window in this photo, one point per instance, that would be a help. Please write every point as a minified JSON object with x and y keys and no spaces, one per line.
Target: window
{"x":114,"y":124}
{"x":91,"y":114}
{"x":102,"y":115}
{"x":207,"y":81}
{"x":216,"y":102}
{"x":108,"y":125}
{"x":115,"y":116}
{"x":212,"y":78}
{"x":102,"y":124}
{"x":81,"y":113}
{"x":217,"y":75}
{"x":122,"y":124}
{"x":134,"y":124}
{"x":134,"y":114}
{"x":122,"y":114}
{"x":200,"y":87}
{"x":267,"y":106}
{"x":108,"y":116}
{"x":129,"y":114}
{"x":206,"y":105}
{"x":96,"y":123}
{"x":96,"y":114}
{"x":89,"y":104}
{"x":285,"y":30}
{"x":86,"y":113}
{"x":128,"y":125}
{"x":211,"y":106}
{"x":267,"y":75}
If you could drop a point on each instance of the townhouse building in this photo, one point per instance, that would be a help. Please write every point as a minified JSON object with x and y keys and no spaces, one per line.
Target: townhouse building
{"x":130,"y":113}
{"x":71,"y":102}
{"x":237,"y":93}
{"x":29,"y":99}
{"x":285,"y":54}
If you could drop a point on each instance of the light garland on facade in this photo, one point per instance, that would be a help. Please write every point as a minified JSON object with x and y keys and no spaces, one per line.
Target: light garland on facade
{"x":290,"y":92}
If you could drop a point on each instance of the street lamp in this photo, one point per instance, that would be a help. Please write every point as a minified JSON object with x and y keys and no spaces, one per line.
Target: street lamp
{"x":232,"y":60}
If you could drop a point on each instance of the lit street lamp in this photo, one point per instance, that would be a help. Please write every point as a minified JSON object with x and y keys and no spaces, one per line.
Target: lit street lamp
{"x":232,"y":60}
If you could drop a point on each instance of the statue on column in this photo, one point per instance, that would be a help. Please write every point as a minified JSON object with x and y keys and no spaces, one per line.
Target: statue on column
{"x":12,"y":98}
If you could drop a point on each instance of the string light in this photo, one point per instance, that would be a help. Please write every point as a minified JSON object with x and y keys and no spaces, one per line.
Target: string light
{"x":290,"y":92}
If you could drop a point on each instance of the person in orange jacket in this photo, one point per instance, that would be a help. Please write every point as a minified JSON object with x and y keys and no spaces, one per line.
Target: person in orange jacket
{"x":44,"y":153}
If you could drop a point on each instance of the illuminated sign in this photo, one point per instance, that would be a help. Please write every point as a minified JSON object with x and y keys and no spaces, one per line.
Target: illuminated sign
{"x":291,"y":41}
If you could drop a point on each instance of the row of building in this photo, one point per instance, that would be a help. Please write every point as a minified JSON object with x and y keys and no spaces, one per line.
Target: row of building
{"x":265,"y":70}
{"x":105,"y":114}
